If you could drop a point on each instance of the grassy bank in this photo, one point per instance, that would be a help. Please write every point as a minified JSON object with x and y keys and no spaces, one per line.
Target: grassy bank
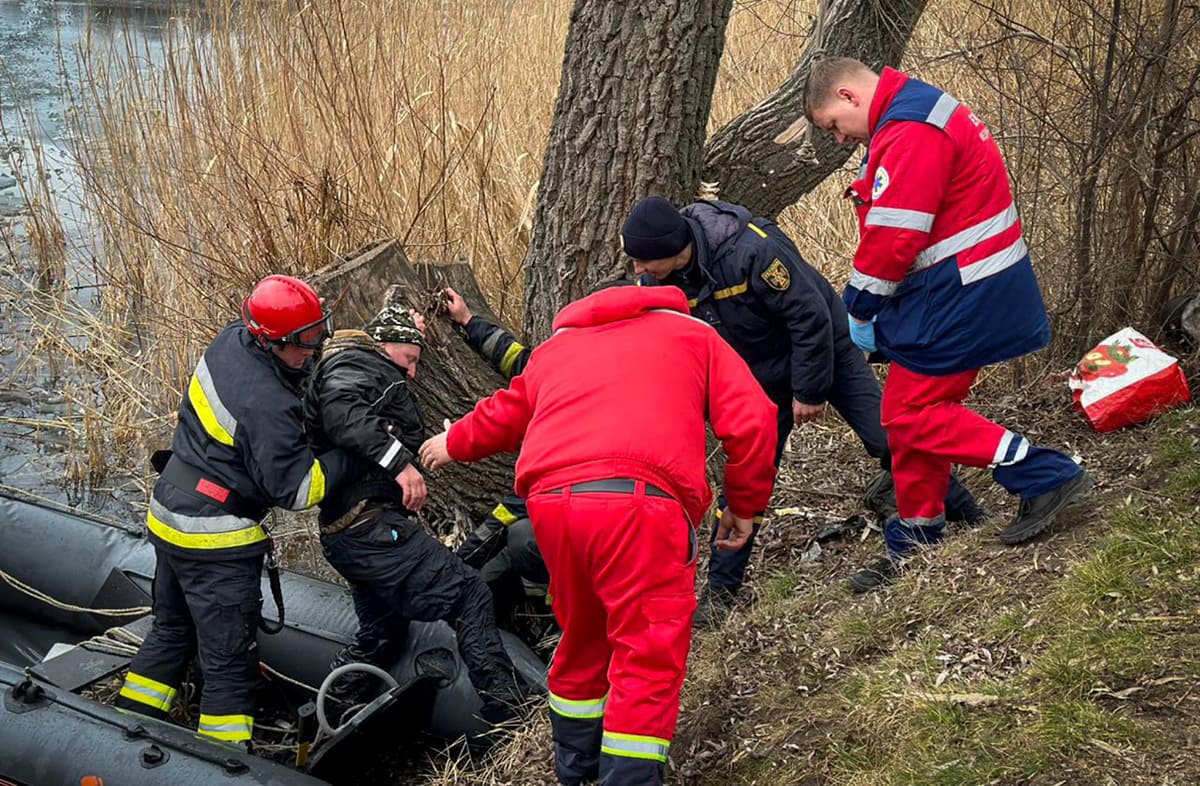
{"x":1069,"y":661}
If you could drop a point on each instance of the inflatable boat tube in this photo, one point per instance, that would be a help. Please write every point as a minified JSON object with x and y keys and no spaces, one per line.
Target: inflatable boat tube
{"x":51,"y":736}
{"x":90,"y":563}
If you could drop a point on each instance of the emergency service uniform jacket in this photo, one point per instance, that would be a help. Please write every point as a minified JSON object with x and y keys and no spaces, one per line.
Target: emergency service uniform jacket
{"x":508,"y":357}
{"x":497,"y":346}
{"x":752,"y":285}
{"x":941,"y":267}
{"x":634,"y":427}
{"x":241,"y":445}
{"x":358,"y":399}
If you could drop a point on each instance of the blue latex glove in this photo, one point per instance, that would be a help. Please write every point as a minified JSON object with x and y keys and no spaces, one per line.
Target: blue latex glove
{"x":863,"y":334}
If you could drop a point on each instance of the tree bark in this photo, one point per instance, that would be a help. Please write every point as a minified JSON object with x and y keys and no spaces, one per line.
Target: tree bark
{"x":452,"y":377}
{"x":636,"y":89}
{"x":743,"y":158}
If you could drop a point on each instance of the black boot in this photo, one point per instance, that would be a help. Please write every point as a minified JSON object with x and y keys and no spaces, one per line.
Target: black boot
{"x":713,"y":609}
{"x":1037,"y":513}
{"x":879,"y":574}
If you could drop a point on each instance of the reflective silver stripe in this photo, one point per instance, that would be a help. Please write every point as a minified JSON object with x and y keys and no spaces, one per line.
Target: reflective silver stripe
{"x":942,"y":110}
{"x":573,"y":708}
{"x":391,"y":454}
{"x":1002,"y":448}
{"x":155,"y":698}
{"x":971,"y":236}
{"x":199,"y":525}
{"x":876,"y":286}
{"x":204,"y":377}
{"x":223,"y":727}
{"x":489,"y":343}
{"x":936,"y":521}
{"x":899,"y":218}
{"x":990,"y":266}
{"x":634,"y":746}
{"x":862,"y":169}
{"x":1006,"y":444}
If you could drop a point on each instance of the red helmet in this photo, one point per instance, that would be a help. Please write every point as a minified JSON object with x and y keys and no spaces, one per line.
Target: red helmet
{"x":286,"y":310}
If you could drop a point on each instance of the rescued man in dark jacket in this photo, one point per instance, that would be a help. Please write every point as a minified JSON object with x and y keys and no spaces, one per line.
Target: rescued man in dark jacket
{"x":359,"y":400}
{"x":746,"y":278}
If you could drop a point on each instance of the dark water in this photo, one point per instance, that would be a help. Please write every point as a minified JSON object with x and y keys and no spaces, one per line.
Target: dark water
{"x":39,"y":67}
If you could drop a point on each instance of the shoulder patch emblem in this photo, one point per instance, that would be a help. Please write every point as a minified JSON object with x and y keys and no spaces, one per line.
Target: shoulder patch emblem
{"x":882,"y":181}
{"x":777,"y":276}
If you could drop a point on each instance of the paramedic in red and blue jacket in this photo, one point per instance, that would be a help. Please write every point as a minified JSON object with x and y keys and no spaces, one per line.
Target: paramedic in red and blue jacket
{"x":942,"y":286}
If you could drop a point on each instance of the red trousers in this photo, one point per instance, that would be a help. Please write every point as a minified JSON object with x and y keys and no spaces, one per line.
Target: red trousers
{"x":622,"y":576}
{"x":929,"y":429}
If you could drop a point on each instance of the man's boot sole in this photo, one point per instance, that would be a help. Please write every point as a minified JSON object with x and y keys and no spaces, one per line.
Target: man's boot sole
{"x":1086,"y":485}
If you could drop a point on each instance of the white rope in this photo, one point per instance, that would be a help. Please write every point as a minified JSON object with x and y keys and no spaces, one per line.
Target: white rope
{"x":58,"y":604}
{"x":286,"y":678}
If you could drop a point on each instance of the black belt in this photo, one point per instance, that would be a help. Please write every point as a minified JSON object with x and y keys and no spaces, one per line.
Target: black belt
{"x":187,"y":478}
{"x":615,"y":486}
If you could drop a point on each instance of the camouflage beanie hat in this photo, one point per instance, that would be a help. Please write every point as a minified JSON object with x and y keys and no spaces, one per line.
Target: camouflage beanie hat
{"x":394,"y":325}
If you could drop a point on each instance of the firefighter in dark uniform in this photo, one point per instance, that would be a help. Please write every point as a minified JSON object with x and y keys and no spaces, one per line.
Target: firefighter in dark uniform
{"x":359,"y":401}
{"x":239,"y":450}
{"x":744,"y":277}
{"x":502,"y":548}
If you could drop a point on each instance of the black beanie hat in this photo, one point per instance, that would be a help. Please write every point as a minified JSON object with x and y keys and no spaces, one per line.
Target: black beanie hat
{"x":654,"y":230}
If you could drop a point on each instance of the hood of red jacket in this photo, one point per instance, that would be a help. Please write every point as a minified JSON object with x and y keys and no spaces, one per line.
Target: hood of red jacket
{"x":618,"y":303}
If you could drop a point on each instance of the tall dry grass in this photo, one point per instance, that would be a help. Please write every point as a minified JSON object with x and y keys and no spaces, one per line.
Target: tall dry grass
{"x":270,"y":137}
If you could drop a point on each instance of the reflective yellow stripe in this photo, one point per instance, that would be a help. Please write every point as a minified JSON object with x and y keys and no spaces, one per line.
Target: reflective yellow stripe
{"x":720,"y":511}
{"x":634,"y":746}
{"x":692,"y":303}
{"x":147,"y":691}
{"x":215,"y":418}
{"x":736,"y":289}
{"x":232,"y":728}
{"x":756,"y":230}
{"x":317,"y":492}
{"x":312,"y":488}
{"x":578,"y":708}
{"x":205,"y":540}
{"x":510,"y":357}
{"x":503,"y":515}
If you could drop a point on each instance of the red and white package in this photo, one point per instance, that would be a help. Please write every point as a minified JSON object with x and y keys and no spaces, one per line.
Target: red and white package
{"x":1126,"y":379}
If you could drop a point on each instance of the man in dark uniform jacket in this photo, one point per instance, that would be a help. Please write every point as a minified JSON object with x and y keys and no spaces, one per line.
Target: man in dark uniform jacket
{"x":744,"y":277}
{"x":502,"y":547}
{"x":239,"y":450}
{"x":359,"y":400}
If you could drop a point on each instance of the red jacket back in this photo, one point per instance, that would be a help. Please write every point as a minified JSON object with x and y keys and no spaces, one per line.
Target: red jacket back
{"x":622,"y":390}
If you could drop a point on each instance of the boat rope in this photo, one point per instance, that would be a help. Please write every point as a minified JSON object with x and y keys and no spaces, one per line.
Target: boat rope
{"x":36,"y":594}
{"x":285,"y":677}
{"x":114,"y":641}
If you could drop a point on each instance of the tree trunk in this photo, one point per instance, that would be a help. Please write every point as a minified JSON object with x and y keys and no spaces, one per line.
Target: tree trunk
{"x":452,"y":376}
{"x":743,"y":158}
{"x":637,"y":82}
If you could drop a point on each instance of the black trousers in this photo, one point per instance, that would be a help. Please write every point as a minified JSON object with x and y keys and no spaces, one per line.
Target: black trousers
{"x":516,"y":571}
{"x":397,"y":572}
{"x":206,"y":608}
